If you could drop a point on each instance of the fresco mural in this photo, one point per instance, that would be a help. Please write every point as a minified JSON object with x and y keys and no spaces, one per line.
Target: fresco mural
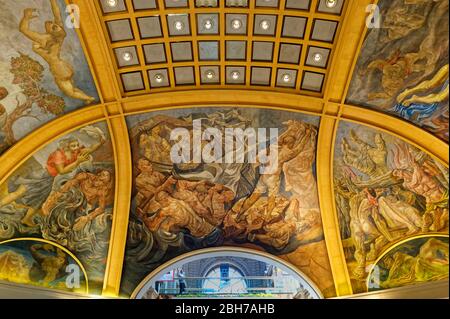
{"x":385,"y":190}
{"x":179,"y":207}
{"x":43,"y":70}
{"x":64,"y":194}
{"x":415,"y":261}
{"x":403,"y":65}
{"x":40,"y":263}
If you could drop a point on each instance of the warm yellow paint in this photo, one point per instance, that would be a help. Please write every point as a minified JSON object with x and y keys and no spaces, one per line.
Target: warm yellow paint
{"x":331,"y":229}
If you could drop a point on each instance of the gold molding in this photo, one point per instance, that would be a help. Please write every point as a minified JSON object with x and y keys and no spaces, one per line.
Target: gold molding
{"x":330,"y":224}
{"x":115,"y":113}
{"x":93,"y":40}
{"x":29,"y":145}
{"x":122,"y":202}
{"x":348,"y":54}
{"x":222,"y":97}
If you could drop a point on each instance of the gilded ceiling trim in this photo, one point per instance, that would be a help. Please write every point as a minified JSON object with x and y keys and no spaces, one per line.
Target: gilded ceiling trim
{"x":225,"y":97}
{"x":122,"y":201}
{"x":330,"y":224}
{"x":94,"y":43}
{"x":115,"y":116}
{"x":351,"y":38}
{"x":29,"y":145}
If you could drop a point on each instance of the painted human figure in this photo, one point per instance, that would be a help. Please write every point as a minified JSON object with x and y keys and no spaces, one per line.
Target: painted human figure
{"x":154,"y":147}
{"x":186,"y":192}
{"x":421,"y":183}
{"x":368,"y":159}
{"x":216,"y":200}
{"x":98,"y":189}
{"x":148,"y":183}
{"x":48,"y":46}
{"x":176,"y":215}
{"x":288,"y":148}
{"x":49,"y":263}
{"x":32,"y":191}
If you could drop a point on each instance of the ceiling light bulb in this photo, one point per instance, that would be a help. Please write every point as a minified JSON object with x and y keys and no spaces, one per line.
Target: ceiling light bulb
{"x":210,"y":74}
{"x":159,"y":77}
{"x":179,"y":25}
{"x":317,"y":57}
{"x":286,"y":78}
{"x":127,"y":56}
{"x":235,"y":75}
{"x":208,"y":24}
{"x":331,"y":3}
{"x":236,"y":24}
{"x":265,"y":25}
{"x":112,"y":3}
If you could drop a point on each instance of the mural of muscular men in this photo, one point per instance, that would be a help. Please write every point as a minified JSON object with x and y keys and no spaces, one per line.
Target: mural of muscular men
{"x":385,"y":190}
{"x":67,"y":199}
{"x":181,"y":207}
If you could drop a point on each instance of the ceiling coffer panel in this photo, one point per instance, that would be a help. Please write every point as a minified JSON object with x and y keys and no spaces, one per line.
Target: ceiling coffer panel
{"x":275,"y":45}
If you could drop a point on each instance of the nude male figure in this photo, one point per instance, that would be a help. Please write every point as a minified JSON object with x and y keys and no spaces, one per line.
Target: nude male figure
{"x":98,"y":190}
{"x":48,"y":46}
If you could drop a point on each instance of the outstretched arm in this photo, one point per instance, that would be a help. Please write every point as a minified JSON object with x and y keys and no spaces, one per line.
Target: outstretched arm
{"x":93,"y":148}
{"x":57,"y":13}
{"x":24,"y":27}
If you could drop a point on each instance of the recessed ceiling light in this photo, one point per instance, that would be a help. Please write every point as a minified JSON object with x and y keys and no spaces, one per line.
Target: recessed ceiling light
{"x":112,"y":3}
{"x":179,"y":25}
{"x":208,"y":24}
{"x":265,"y":25}
{"x":127,"y":56}
{"x":210,"y":74}
{"x":235,"y":75}
{"x":236,"y":24}
{"x":317,"y":57}
{"x":331,"y":3}
{"x":286,"y":78}
{"x":159,"y":77}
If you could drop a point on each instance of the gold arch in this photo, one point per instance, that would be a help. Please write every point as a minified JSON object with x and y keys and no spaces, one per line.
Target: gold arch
{"x":114,"y":107}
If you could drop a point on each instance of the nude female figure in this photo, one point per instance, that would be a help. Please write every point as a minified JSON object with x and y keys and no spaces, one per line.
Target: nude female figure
{"x":48,"y":46}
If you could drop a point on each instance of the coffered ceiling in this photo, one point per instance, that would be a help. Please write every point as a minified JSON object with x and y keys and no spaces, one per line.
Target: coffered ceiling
{"x":283,"y":45}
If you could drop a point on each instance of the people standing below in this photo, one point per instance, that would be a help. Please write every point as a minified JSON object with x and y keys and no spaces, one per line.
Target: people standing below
{"x":182,"y":281}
